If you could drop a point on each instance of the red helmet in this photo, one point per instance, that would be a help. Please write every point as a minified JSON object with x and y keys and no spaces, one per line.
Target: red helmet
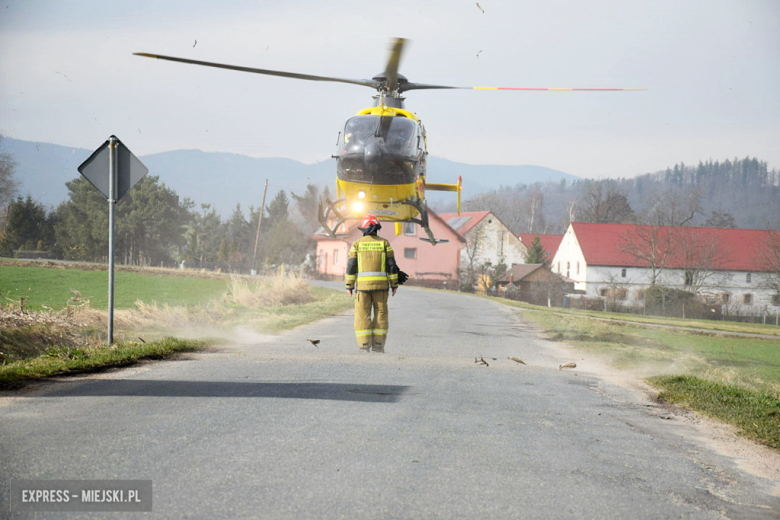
{"x":368,"y":220}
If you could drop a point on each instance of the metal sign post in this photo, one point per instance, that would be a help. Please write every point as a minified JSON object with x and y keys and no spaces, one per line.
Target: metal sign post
{"x":111,"y":211}
{"x":113,"y":170}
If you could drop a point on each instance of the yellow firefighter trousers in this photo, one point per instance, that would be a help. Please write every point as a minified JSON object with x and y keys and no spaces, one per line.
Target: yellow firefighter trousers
{"x":371,"y":332}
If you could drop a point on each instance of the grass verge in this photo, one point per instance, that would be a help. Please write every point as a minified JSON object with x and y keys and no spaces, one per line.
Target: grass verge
{"x":756,"y":414}
{"x":733,"y":379}
{"x":67,"y":361}
{"x":275,"y":318}
{"x":721,"y":326}
{"x":43,"y":343}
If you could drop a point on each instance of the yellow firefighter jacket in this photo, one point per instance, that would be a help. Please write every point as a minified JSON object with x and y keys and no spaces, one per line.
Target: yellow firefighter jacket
{"x":371,"y":265}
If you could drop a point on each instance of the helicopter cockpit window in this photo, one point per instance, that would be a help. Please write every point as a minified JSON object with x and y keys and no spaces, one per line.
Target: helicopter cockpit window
{"x":399,"y":135}
{"x":379,"y":150}
{"x":357,"y":130}
{"x":393,"y":135}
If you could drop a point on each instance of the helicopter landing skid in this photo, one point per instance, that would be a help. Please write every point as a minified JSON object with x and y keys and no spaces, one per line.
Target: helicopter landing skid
{"x":423,"y":222}
{"x":331,"y":207}
{"x":322,"y":216}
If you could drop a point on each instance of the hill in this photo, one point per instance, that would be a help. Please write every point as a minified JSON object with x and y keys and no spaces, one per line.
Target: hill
{"x":224,"y":179}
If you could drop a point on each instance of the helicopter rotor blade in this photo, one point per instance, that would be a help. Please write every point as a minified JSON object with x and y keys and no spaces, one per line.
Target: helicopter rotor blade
{"x":423,"y":86}
{"x":391,"y":71}
{"x":364,"y":82}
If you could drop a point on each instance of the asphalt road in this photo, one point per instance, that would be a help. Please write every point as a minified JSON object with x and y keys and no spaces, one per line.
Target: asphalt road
{"x":277,"y":428}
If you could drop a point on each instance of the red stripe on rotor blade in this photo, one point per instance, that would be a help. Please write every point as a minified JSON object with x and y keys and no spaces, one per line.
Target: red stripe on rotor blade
{"x":592,"y":89}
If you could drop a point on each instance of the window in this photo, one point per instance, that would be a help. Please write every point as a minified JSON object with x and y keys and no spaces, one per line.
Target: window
{"x":622,"y":294}
{"x":725,"y":297}
{"x":747,"y":277}
{"x":568,"y":265}
{"x":688,"y":277}
{"x":335,"y":257}
{"x":622,"y":273}
{"x":410,"y":252}
{"x":776,"y":299}
{"x":578,"y":268}
{"x":501,"y":243}
{"x":641,"y":294}
{"x":747,"y":299}
{"x":409,"y":229}
{"x":604,"y":292}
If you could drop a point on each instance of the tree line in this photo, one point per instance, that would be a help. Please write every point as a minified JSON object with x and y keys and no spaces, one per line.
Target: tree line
{"x":155,"y":227}
{"x":742,"y":193}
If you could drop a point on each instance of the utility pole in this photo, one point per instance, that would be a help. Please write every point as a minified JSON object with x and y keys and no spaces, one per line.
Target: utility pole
{"x":259,"y":223}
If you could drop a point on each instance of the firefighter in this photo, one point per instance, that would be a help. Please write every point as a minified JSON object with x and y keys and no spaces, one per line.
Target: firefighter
{"x":371,"y":273}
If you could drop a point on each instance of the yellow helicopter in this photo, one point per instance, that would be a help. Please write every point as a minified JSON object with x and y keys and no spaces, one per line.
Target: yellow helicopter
{"x":381,"y":160}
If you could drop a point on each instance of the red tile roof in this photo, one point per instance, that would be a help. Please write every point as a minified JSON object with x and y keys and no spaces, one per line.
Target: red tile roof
{"x":735,"y":249}
{"x":471,"y":219}
{"x":550,"y":243}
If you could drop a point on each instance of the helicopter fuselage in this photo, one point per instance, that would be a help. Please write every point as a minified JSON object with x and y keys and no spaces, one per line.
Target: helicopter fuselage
{"x":381,"y":164}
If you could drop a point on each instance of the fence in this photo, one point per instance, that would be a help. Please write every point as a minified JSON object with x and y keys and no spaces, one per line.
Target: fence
{"x":691,"y":309}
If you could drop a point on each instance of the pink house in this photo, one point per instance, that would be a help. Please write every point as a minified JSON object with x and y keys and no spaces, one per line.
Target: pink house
{"x":425,"y":263}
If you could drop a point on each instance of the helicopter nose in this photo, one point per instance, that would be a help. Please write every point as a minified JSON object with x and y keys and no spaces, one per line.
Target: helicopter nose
{"x":372,"y":152}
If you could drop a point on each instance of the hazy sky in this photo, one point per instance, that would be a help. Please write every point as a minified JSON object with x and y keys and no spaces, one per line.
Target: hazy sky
{"x":712,"y":67}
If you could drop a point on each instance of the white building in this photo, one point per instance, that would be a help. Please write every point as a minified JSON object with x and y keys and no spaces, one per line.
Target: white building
{"x":488,"y":240}
{"x":620,"y":260}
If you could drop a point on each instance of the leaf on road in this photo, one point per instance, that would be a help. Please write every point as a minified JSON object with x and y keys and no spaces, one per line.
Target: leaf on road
{"x":567,"y":365}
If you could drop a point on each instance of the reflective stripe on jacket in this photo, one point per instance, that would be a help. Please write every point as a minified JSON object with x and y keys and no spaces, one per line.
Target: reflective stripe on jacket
{"x":371,"y":265}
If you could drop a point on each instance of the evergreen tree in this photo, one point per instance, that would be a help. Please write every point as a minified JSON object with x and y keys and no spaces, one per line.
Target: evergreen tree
{"x":536,"y":253}
{"x":149,"y":225}
{"x":27,"y":224}
{"x":223,"y":251}
{"x":237,"y":230}
{"x":278,"y":209}
{"x":203,"y":236}
{"x":8,"y":184}
{"x":721,"y":219}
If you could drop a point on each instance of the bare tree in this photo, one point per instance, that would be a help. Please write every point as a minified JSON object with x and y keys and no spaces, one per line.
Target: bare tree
{"x":8,"y":184}
{"x":651,"y":246}
{"x":469,"y":273}
{"x":702,"y":256}
{"x":602,"y":202}
{"x":505,"y":206}
{"x":533,"y":207}
{"x":659,"y":237}
{"x":570,"y":215}
{"x":769,"y":258}
{"x":617,"y":291}
{"x":672,"y":208}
